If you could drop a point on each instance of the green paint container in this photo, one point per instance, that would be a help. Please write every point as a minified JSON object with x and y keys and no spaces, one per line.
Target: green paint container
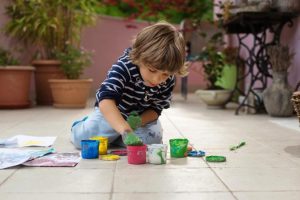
{"x":178,"y":147}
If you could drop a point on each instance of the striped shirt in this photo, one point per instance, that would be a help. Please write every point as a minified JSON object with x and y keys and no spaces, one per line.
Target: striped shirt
{"x":125,"y":85}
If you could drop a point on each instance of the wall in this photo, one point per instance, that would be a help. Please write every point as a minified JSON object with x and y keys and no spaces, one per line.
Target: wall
{"x":107,"y":39}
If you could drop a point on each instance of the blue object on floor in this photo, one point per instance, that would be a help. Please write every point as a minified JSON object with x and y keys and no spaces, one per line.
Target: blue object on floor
{"x":89,"y":149}
{"x":196,"y":154}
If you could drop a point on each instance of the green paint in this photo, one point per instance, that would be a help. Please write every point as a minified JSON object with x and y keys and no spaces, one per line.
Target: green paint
{"x":134,"y":120}
{"x":160,"y":154}
{"x":237,"y":146}
{"x":133,"y":140}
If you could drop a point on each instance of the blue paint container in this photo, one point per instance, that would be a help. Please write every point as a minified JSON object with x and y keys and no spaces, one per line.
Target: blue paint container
{"x":89,"y":149}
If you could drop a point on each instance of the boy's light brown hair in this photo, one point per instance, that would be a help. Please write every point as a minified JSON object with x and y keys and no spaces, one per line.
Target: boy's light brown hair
{"x":160,"y":46}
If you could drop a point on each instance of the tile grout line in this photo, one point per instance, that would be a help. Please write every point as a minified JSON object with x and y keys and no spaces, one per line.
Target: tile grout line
{"x":9,"y":177}
{"x":213,"y":171}
{"x":113,"y":181}
{"x":179,"y":132}
{"x":231,"y":192}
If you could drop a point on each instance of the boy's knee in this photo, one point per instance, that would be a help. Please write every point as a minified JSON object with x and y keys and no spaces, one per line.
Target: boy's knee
{"x":151,"y":133}
{"x":76,"y":137}
{"x":82,"y":131}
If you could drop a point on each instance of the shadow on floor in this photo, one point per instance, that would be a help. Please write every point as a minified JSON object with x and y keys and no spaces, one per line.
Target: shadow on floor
{"x":293,"y":150}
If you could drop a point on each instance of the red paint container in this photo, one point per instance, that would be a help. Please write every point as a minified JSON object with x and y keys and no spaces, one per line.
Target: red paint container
{"x":136,"y":154}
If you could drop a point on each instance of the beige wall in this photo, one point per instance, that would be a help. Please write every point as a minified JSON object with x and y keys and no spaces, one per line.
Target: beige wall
{"x":107,"y":39}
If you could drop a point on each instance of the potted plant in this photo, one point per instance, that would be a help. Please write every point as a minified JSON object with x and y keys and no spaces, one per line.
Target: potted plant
{"x":36,"y":23}
{"x":217,"y":63}
{"x":14,"y":82}
{"x":71,"y":92}
{"x":50,"y":25}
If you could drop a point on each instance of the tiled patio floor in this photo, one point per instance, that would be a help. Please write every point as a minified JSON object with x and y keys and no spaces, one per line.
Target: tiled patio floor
{"x":268,"y":167}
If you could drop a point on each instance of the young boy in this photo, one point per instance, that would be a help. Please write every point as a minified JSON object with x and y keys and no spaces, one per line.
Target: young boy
{"x":141,"y":80}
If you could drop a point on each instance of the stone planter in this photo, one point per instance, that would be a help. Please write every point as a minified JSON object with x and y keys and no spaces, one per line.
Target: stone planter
{"x":277,"y":97}
{"x":287,"y":5}
{"x":214,"y":98}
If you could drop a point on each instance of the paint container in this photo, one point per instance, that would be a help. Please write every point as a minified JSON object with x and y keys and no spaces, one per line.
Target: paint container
{"x":157,"y":153}
{"x":178,"y":147}
{"x":103,"y":143}
{"x":89,"y":149}
{"x":136,"y":154}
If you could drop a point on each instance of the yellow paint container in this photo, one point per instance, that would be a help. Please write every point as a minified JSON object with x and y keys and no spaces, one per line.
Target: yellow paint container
{"x":103,"y":143}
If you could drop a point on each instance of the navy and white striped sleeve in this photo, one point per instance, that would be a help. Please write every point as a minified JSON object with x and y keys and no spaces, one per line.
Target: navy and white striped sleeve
{"x":164,"y":100}
{"x":114,"y":84}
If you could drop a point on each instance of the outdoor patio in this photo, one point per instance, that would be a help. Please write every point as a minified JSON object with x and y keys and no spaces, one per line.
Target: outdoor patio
{"x":267,"y":167}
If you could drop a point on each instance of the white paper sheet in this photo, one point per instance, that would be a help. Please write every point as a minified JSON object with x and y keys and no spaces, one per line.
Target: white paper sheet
{"x":27,"y":141}
{"x":10,"y":157}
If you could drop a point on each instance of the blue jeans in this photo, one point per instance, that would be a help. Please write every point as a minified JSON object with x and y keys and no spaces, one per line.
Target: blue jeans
{"x":96,"y":125}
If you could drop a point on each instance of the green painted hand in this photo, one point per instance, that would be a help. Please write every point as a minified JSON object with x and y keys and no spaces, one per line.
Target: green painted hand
{"x":134,"y":120}
{"x":131,"y":139}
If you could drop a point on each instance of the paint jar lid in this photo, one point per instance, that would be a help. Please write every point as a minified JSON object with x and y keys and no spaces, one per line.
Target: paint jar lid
{"x":215,"y":158}
{"x":196,"y":153}
{"x":110,"y":157}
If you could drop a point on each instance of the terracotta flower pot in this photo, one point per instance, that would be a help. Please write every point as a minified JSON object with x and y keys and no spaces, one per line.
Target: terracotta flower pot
{"x":15,"y":86}
{"x":45,"y":70}
{"x":70,"y":93}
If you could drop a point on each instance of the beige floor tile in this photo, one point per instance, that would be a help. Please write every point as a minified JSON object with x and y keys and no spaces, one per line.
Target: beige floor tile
{"x":4,"y":126}
{"x":166,"y":180}
{"x":33,"y":179}
{"x":249,"y":148}
{"x":173,"y":163}
{"x":5,"y":174}
{"x":240,"y":159}
{"x":260,"y":179}
{"x":96,"y":164}
{"x":272,"y":195}
{"x":56,"y":196}
{"x":173,"y":196}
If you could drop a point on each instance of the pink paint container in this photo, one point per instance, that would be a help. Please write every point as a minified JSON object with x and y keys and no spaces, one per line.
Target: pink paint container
{"x":136,"y":154}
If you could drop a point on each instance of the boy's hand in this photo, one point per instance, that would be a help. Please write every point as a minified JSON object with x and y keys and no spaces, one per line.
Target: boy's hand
{"x":131,"y":139}
{"x":124,"y":136}
{"x":134,"y":120}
